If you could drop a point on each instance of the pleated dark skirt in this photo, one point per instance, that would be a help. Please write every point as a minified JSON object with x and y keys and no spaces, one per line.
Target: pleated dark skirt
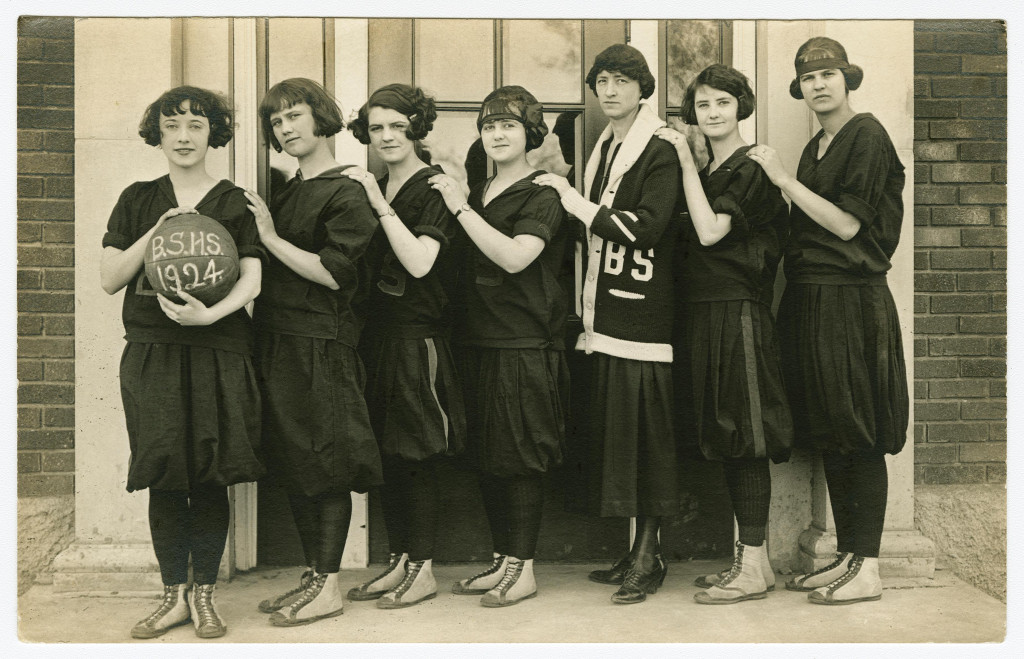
{"x":414,"y":397}
{"x":843,"y":367}
{"x":630,"y":452}
{"x":316,"y":428}
{"x":737,"y":402}
{"x":192,"y":414}
{"x":516,"y":401}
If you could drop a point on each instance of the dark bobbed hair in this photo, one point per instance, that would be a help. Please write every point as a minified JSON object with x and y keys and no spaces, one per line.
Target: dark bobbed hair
{"x":726,"y":79}
{"x":516,"y":103}
{"x":201,"y":102}
{"x":831,"y":55}
{"x":627,"y":60}
{"x":287,"y":93}
{"x":417,"y":107}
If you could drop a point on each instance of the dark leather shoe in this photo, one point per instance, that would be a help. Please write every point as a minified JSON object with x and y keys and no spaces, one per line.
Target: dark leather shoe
{"x":615,"y":575}
{"x":637,"y":585}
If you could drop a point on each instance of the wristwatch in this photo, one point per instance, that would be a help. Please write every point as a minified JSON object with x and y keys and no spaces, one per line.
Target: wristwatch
{"x":462,"y":209}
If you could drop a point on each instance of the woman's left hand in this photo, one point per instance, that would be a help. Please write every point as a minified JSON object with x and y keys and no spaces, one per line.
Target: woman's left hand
{"x":264,"y":222}
{"x":193,"y":312}
{"x":560,"y":184}
{"x":450,"y":190}
{"x":770,"y":162}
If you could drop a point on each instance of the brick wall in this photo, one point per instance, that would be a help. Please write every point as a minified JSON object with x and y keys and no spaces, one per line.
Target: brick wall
{"x":960,"y":251}
{"x":46,"y":257}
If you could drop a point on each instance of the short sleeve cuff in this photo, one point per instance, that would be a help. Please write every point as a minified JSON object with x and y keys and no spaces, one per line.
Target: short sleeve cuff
{"x":533,"y":228}
{"x":253,"y":251}
{"x":433,"y":232}
{"x":118,"y":240}
{"x":726,"y":205}
{"x":860,"y":209}
{"x":339,"y":266}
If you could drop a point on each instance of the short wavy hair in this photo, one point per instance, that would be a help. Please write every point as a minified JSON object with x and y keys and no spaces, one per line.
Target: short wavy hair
{"x":726,"y":79}
{"x":201,"y":102}
{"x":516,"y":103}
{"x":410,"y":101}
{"x":628,"y":61}
{"x":287,"y":93}
{"x":818,"y":53}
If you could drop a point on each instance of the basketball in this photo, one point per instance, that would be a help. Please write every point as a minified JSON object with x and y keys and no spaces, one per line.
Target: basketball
{"x":193,"y":253}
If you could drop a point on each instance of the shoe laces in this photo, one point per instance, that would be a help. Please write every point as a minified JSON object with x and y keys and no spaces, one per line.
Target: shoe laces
{"x":851,"y":571}
{"x":831,"y":566}
{"x":304,"y":580}
{"x":495,"y":566}
{"x":204,"y":604}
{"x":412,"y":570}
{"x":166,"y":604}
{"x":313,"y":588}
{"x":512,"y":572}
{"x":736,"y":569}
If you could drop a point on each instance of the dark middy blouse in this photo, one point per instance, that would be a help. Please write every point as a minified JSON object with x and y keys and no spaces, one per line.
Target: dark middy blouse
{"x":861,"y":174}
{"x":742,"y":265}
{"x":328,"y":215}
{"x":401,"y":305}
{"x":526,"y":309}
{"x":137,"y":210}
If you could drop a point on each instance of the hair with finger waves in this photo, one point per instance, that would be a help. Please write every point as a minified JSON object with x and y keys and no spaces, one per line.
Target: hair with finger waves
{"x":627,"y":60}
{"x":417,"y":107}
{"x":287,"y":93}
{"x":201,"y":102}
{"x":726,"y":79}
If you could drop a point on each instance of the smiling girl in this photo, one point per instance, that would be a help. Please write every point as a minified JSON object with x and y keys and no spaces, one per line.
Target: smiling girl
{"x":729,"y":372}
{"x":842,"y":351}
{"x":512,"y":359}
{"x":317,"y":428}
{"x":187,"y":381}
{"x":412,"y":392}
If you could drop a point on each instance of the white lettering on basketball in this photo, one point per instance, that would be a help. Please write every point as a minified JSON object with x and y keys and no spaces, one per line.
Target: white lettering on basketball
{"x":213,"y":244}
{"x":157,"y":245}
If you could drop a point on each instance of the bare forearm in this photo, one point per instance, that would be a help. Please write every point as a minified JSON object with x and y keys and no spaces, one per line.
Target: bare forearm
{"x":821,"y":210}
{"x":711,"y":227}
{"x":510,"y":254}
{"x":244,"y":291}
{"x":417,"y":254}
{"x":118,"y":267}
{"x":305,"y":264}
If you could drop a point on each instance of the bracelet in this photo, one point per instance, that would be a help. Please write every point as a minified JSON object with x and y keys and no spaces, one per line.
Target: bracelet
{"x":391,"y":212}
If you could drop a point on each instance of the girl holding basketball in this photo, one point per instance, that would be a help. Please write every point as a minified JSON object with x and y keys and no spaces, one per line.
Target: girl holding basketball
{"x":512,"y":357}
{"x":188,"y":384}
{"x":730,"y":374}
{"x":318,"y":435}
{"x":412,"y":391}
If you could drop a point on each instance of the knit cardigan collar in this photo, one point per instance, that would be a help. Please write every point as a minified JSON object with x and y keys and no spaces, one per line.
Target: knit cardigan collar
{"x":640,"y":133}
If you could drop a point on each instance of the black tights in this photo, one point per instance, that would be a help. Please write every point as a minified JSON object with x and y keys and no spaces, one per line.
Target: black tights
{"x":411,"y":500}
{"x":858,"y":485}
{"x":514,"y":507}
{"x":322,"y":522}
{"x":750,"y":489}
{"x":184,"y":523}
{"x":646,"y":543}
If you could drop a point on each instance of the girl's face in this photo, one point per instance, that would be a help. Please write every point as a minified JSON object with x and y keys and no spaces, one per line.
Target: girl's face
{"x":619,"y":96}
{"x":294,"y":128}
{"x":716,"y":112}
{"x":387,"y":134}
{"x":825,"y":90}
{"x":504,"y":140}
{"x":184,"y":138}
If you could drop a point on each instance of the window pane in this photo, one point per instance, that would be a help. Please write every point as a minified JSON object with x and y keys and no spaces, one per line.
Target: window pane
{"x":449,"y":146}
{"x":454,"y":59}
{"x":692,"y":46}
{"x":544,"y":57}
